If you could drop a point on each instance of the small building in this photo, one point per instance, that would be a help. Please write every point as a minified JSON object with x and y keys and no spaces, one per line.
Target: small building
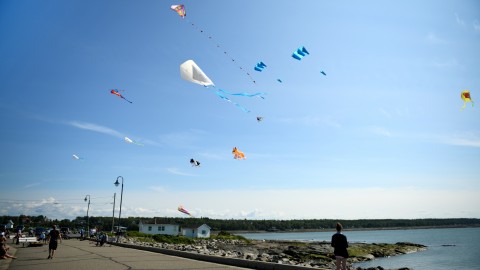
{"x":169,"y":229}
{"x":9,"y":225}
{"x":201,"y":231}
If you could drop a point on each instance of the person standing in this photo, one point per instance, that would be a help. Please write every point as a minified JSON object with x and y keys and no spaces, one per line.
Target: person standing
{"x":340,"y":245}
{"x":54,"y":236}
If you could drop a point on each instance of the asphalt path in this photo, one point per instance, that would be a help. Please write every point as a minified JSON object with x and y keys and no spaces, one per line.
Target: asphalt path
{"x":74,"y":254}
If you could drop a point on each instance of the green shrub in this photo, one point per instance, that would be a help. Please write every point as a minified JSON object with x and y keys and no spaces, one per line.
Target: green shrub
{"x":228,"y":236}
{"x":138,"y":234}
{"x":172,"y":239}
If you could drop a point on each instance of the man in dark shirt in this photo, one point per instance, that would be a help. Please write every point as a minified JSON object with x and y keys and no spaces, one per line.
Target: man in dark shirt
{"x":340,"y":245}
{"x":53,"y":237}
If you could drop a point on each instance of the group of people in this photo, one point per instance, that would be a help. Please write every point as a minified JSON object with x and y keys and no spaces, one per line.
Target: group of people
{"x":53,"y":238}
{"x":339,"y":243}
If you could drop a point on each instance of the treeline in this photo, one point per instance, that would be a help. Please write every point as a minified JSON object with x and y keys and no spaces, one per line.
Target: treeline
{"x":106,"y":223}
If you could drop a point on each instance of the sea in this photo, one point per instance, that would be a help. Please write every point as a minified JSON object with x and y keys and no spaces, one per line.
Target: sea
{"x":447,"y":248}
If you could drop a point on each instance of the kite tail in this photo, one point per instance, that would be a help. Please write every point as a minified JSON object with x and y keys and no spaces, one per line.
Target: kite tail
{"x":259,"y":94}
{"x":127,"y":100}
{"x":220,"y":48}
{"x":220,"y":95}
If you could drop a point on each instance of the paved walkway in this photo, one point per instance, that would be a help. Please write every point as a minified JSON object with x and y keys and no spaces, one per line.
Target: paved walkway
{"x":78,"y":255}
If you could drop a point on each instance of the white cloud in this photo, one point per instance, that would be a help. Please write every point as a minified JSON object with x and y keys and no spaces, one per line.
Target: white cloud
{"x":315,"y":203}
{"x":476,"y":25}
{"x":355,"y":203}
{"x":178,"y":172}
{"x":380,"y":131}
{"x":96,"y":128}
{"x":446,"y":63}
{"x":311,"y":121}
{"x":182,"y":139}
{"x":470,"y":140}
{"x":459,"y":20}
{"x":433,"y":38}
{"x":31,"y":185}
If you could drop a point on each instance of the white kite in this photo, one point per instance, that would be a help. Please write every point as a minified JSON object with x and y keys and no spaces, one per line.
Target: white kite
{"x":128,"y":140}
{"x":191,"y":72}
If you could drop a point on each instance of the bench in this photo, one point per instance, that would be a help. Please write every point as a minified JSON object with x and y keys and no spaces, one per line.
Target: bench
{"x":29,"y":241}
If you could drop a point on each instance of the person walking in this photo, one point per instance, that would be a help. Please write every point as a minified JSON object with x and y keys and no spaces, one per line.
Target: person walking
{"x":54,"y":236}
{"x":340,"y":245}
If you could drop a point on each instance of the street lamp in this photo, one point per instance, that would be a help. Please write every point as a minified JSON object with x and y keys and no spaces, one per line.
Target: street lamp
{"x":120,"y":213}
{"x":113,"y":212}
{"x":88,"y":219}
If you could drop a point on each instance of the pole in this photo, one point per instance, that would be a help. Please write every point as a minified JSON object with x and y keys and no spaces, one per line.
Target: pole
{"x":120,"y":212}
{"x":88,"y":218}
{"x":113,"y":214}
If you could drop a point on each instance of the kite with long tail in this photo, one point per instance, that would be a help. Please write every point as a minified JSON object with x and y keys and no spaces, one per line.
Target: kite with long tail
{"x":180,"y":10}
{"x":191,"y":72}
{"x":183,"y":210}
{"x":116,"y":93}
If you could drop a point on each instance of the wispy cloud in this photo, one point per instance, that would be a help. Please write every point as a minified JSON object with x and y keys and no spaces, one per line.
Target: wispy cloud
{"x":446,"y":63}
{"x":459,"y":20}
{"x":96,"y":128}
{"x":462,"y":139}
{"x":311,"y":121}
{"x":476,"y":25}
{"x":157,"y":188}
{"x":31,"y":185}
{"x":178,"y":172}
{"x":391,"y":113}
{"x":382,"y":131}
{"x":182,"y":139}
{"x":210,"y":155}
{"x":433,"y":38}
{"x":470,"y":140}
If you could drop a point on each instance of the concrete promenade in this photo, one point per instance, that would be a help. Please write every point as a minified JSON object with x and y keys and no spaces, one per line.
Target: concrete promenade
{"x":74,"y":254}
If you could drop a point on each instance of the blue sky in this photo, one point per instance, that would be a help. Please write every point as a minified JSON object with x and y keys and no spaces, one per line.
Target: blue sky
{"x":381,"y":136}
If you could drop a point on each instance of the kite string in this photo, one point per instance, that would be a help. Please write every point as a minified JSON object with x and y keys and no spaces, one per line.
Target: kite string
{"x":219,"y":47}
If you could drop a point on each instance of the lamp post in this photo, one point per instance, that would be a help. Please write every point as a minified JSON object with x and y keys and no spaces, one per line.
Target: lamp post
{"x":113,"y":212}
{"x":88,"y":219}
{"x":120,"y":212}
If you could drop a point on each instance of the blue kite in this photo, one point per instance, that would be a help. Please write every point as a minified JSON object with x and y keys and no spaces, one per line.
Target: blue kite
{"x":300,"y":53}
{"x":260,"y":66}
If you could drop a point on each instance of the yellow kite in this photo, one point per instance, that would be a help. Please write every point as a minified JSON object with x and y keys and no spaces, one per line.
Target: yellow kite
{"x":466,"y":98}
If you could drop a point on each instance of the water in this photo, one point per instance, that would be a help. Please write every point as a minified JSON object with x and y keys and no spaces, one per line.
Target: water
{"x":448,"y":249}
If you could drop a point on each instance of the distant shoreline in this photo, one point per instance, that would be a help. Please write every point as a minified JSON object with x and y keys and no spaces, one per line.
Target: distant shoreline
{"x":355,"y":229}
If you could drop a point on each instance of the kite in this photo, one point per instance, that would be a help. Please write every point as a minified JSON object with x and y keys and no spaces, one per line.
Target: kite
{"x":194,"y":163}
{"x":116,"y":92}
{"x":77,"y":157}
{"x":300,"y":53}
{"x":260,"y":66}
{"x":237,"y":154}
{"x":465,"y":95}
{"x":128,"y":140}
{"x":191,"y":72}
{"x":180,"y":9}
{"x":323,"y":72}
{"x":259,"y":118}
{"x":183,"y":210}
{"x":278,"y":80}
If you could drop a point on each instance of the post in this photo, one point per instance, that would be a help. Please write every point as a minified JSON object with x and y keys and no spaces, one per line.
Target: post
{"x":88,"y":219}
{"x":120,"y":212}
{"x":113,"y":213}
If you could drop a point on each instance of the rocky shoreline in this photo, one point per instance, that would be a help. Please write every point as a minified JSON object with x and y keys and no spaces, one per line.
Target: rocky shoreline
{"x":318,"y":255}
